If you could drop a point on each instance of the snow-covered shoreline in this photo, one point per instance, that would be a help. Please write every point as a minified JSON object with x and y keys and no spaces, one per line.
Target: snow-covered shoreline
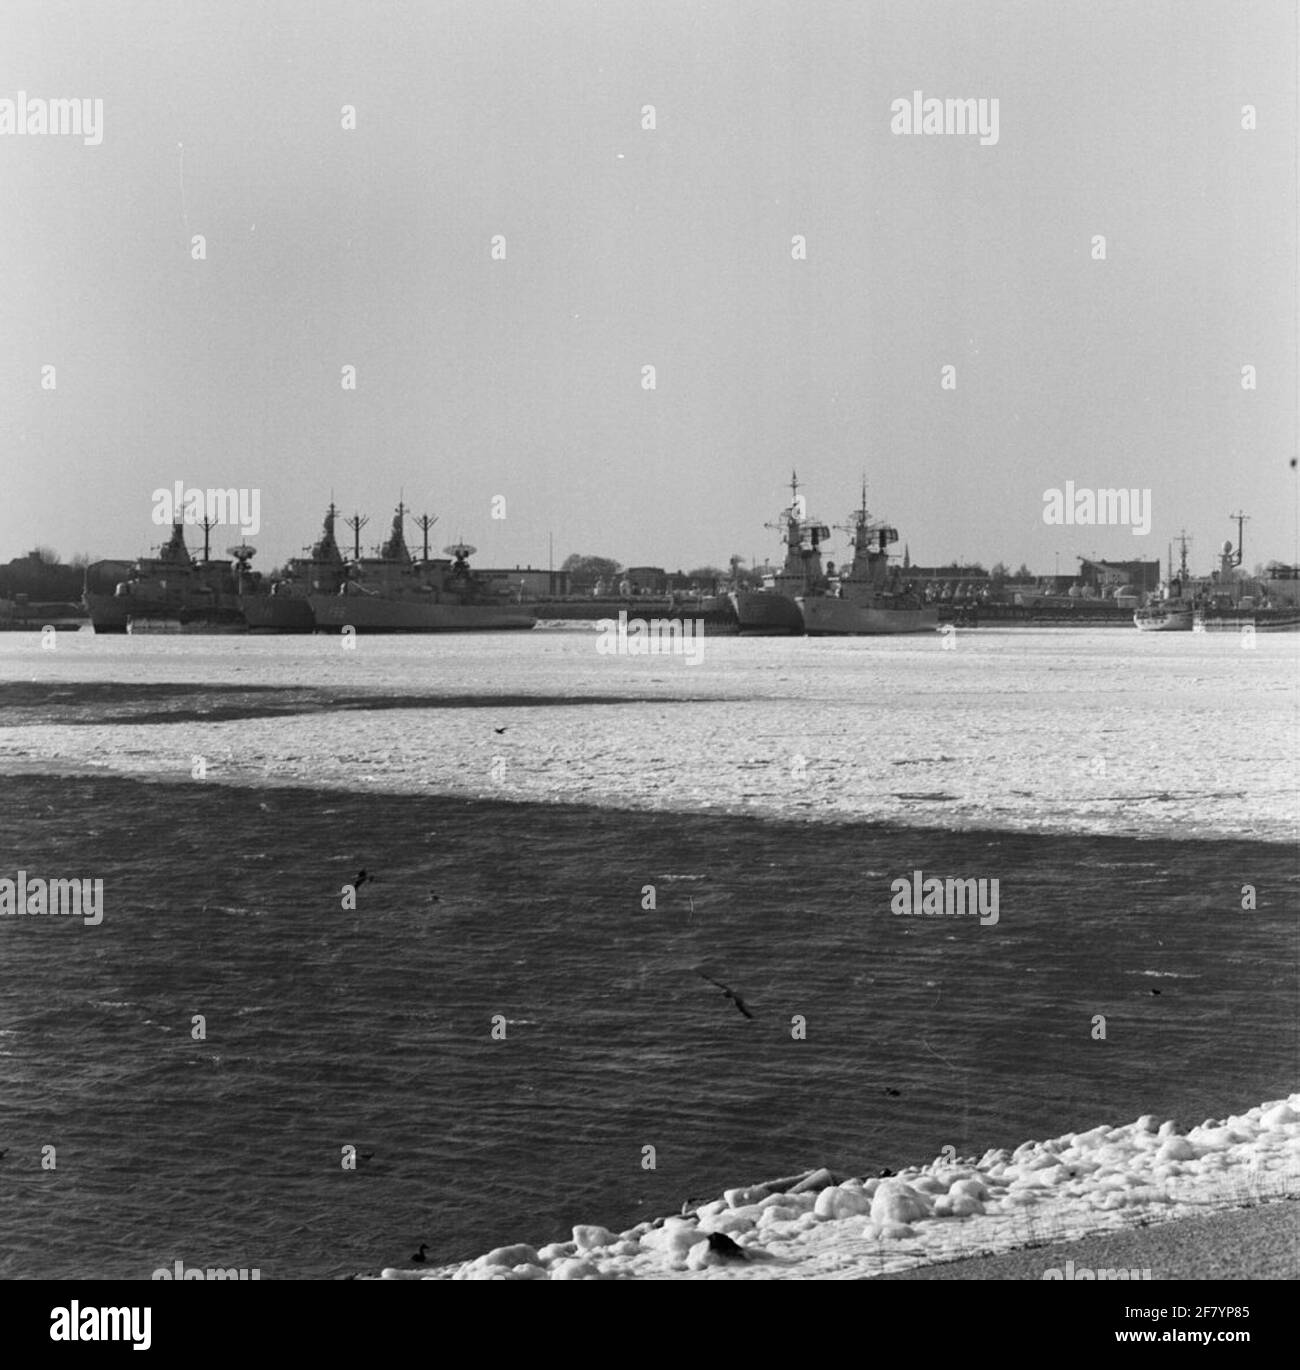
{"x":818,"y":1226}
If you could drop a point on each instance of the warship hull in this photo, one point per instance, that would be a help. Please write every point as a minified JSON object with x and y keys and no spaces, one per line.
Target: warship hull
{"x":766,"y":612}
{"x":122,"y":614}
{"x":827,"y":616}
{"x":374,"y":614}
{"x":176,"y":623}
{"x":107,"y":613}
{"x":278,"y":614}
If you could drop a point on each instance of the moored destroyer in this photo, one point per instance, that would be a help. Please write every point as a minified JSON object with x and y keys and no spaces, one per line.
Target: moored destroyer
{"x":173,"y":593}
{"x":872,"y":598}
{"x":772,"y":610}
{"x":286,"y":606}
{"x":394,"y":593}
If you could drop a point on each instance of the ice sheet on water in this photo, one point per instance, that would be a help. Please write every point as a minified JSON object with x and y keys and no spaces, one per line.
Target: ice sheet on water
{"x":1087,"y":731}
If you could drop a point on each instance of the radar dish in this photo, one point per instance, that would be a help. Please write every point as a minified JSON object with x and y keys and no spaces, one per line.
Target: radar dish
{"x":460,"y":549}
{"x":242,"y":552}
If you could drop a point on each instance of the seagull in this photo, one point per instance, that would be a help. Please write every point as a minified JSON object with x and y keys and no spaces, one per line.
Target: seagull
{"x":361,"y":880}
{"x":894,"y":1093}
{"x":1156,"y":991}
{"x":418,"y":1258}
{"x":499,"y":730}
{"x":433,"y":898}
{"x":728,"y":993}
{"x":364,"y":1156}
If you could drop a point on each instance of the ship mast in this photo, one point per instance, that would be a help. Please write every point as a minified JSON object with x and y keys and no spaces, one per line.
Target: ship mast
{"x":207,"y":525}
{"x":357,"y":522}
{"x":424,"y":523}
{"x":1183,"y":540}
{"x":1241,"y":519}
{"x":860,"y":523}
{"x":791,"y":524}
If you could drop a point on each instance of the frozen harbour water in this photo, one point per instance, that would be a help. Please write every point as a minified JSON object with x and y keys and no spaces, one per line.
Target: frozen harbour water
{"x":1100,"y":731}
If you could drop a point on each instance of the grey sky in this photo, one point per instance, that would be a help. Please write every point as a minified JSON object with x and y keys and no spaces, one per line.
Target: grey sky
{"x":628,"y":247}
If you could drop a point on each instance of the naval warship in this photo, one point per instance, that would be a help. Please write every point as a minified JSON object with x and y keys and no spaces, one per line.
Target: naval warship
{"x":772,"y":611}
{"x":394,"y":593}
{"x":173,"y":593}
{"x":286,"y":606}
{"x":872,"y":599}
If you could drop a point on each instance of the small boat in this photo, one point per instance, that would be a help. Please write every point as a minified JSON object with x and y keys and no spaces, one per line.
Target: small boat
{"x":1170,"y":611}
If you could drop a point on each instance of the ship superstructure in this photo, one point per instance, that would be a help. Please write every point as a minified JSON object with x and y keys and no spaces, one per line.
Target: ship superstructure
{"x":394,"y":593}
{"x":173,"y":592}
{"x":286,"y":607}
{"x":873,"y":598}
{"x":773,"y":610}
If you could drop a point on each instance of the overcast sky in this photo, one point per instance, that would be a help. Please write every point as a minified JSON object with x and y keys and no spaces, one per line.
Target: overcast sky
{"x":670,"y":247}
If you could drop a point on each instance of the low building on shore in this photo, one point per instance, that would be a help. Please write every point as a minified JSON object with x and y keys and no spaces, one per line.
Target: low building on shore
{"x":528,"y":582}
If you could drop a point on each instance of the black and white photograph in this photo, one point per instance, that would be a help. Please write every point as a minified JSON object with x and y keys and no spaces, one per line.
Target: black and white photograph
{"x":649,"y":640}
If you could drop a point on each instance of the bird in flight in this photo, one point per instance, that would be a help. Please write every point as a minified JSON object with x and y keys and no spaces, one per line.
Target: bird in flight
{"x":727,"y":992}
{"x":498,"y":730}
